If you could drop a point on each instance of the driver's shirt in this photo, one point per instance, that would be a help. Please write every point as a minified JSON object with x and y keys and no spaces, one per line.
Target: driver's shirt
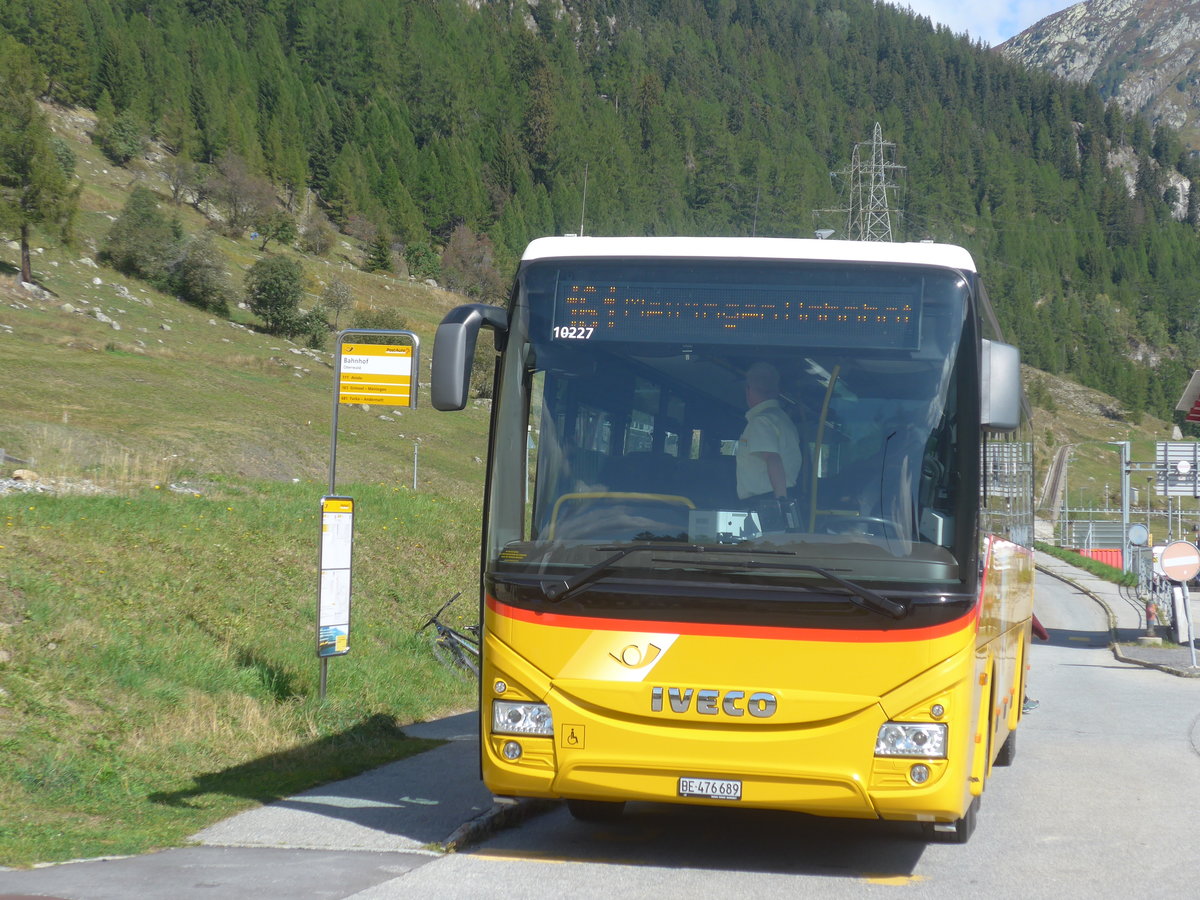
{"x":768,"y":430}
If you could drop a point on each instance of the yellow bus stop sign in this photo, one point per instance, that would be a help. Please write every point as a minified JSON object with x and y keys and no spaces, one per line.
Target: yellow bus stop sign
{"x":376,"y":374}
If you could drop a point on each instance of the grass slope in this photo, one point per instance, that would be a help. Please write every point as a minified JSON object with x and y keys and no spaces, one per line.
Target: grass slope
{"x":162,"y":673}
{"x":157,"y":609}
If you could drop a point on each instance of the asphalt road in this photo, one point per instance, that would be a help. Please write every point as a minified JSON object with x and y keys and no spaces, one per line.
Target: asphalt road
{"x":1103,"y":801}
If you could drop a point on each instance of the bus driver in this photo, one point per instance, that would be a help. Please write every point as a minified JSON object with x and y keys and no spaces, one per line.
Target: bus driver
{"x":768,"y":452}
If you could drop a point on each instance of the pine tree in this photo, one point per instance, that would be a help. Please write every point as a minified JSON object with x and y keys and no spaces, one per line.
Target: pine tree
{"x":35,"y":188}
{"x":379,"y":257}
{"x":691,"y":117}
{"x":63,"y":44}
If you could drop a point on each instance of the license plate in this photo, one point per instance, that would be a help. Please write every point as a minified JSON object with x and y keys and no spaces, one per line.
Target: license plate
{"x":710,"y":788}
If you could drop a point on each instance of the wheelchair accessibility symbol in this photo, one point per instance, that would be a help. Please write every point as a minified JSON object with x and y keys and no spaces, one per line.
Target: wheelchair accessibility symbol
{"x":572,"y":737}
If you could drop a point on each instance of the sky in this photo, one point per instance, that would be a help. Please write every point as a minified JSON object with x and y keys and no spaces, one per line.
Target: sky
{"x":990,"y":21}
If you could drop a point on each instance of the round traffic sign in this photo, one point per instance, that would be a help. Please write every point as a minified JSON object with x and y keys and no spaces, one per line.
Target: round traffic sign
{"x":1180,"y":560}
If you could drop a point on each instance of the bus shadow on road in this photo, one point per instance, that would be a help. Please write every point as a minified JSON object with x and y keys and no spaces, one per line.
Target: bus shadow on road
{"x":768,"y":841}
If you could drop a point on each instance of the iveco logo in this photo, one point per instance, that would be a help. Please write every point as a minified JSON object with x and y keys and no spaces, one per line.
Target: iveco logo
{"x":761,"y":705}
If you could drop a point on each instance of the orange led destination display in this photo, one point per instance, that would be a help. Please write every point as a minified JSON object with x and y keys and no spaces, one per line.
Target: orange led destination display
{"x":812,"y":315}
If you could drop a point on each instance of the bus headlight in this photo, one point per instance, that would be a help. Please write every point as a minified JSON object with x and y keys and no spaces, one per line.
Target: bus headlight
{"x":521,"y":718}
{"x":902,"y":739}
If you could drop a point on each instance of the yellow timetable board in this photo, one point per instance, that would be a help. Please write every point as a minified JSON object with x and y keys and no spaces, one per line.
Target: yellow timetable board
{"x":376,"y":374}
{"x":333,"y":600}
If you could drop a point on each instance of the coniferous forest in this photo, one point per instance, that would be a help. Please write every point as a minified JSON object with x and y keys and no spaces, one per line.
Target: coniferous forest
{"x":688,"y":117}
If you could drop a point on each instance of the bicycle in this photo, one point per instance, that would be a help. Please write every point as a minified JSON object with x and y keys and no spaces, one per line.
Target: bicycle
{"x":456,"y":649}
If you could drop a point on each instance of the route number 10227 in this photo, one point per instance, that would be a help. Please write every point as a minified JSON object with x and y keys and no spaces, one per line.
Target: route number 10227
{"x":573,"y":332}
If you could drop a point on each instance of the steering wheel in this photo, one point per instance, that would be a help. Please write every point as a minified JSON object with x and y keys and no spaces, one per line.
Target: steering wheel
{"x":842,"y":523}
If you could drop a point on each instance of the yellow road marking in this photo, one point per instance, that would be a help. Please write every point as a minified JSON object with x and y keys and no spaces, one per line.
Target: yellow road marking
{"x":530,"y":856}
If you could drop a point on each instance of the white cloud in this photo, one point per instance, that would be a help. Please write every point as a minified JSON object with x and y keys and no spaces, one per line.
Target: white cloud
{"x":993,"y":23}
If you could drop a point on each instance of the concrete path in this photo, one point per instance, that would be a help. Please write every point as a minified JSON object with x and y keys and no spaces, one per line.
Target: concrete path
{"x":1127,"y":619}
{"x":333,"y":841}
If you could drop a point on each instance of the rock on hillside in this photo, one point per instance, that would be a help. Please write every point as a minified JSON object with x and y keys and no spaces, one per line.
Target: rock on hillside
{"x":1145,"y":54}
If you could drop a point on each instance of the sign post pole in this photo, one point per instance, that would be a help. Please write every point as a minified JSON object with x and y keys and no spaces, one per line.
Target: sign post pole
{"x":379,"y":366}
{"x":1187,"y":612}
{"x":1180,"y":561}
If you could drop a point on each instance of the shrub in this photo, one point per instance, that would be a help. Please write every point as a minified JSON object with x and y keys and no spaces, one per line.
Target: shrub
{"x":423,"y":261}
{"x":312,"y":326}
{"x":276,"y":225}
{"x":337,"y":298}
{"x":245,"y":198}
{"x":385,"y":319}
{"x":468,"y":266}
{"x":274,"y":286}
{"x":142,"y":240}
{"x":64,"y":154}
{"x":316,"y":234}
{"x":121,"y":138}
{"x":199,"y":277}
{"x":483,"y":369}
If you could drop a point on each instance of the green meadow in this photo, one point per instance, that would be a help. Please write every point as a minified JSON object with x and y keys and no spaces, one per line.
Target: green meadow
{"x":158,"y":590}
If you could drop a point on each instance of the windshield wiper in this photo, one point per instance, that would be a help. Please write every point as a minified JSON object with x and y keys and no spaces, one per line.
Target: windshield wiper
{"x":859,"y":595}
{"x":863,"y":597}
{"x":558,"y":590}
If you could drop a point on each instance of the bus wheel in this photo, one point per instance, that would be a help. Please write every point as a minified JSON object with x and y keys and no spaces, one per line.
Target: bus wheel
{"x":1008,"y":750}
{"x":596,"y":810}
{"x":957,"y":832}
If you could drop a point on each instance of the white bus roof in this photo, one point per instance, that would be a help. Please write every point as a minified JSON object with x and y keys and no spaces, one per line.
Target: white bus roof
{"x":574,"y":247}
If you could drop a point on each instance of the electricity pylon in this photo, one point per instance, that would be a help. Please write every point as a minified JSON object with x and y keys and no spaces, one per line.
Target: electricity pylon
{"x":868,"y":212}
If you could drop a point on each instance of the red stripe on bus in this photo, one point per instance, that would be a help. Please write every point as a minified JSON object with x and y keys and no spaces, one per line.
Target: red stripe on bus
{"x":705,"y":629}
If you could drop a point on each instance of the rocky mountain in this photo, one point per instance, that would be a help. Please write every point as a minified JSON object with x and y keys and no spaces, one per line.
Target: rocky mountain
{"x":1145,"y":54}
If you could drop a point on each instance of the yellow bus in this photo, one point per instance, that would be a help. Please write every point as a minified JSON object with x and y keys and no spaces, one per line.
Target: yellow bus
{"x":849,"y":640}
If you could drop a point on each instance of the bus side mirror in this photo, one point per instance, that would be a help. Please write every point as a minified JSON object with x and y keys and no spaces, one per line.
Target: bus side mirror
{"x":1000,"y":386}
{"x":454,"y":351}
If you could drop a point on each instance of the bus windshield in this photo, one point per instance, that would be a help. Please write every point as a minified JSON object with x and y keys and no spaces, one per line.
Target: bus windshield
{"x":653,"y":394}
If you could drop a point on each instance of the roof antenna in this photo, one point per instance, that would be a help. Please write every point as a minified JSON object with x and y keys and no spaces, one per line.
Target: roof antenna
{"x":583,"y":206}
